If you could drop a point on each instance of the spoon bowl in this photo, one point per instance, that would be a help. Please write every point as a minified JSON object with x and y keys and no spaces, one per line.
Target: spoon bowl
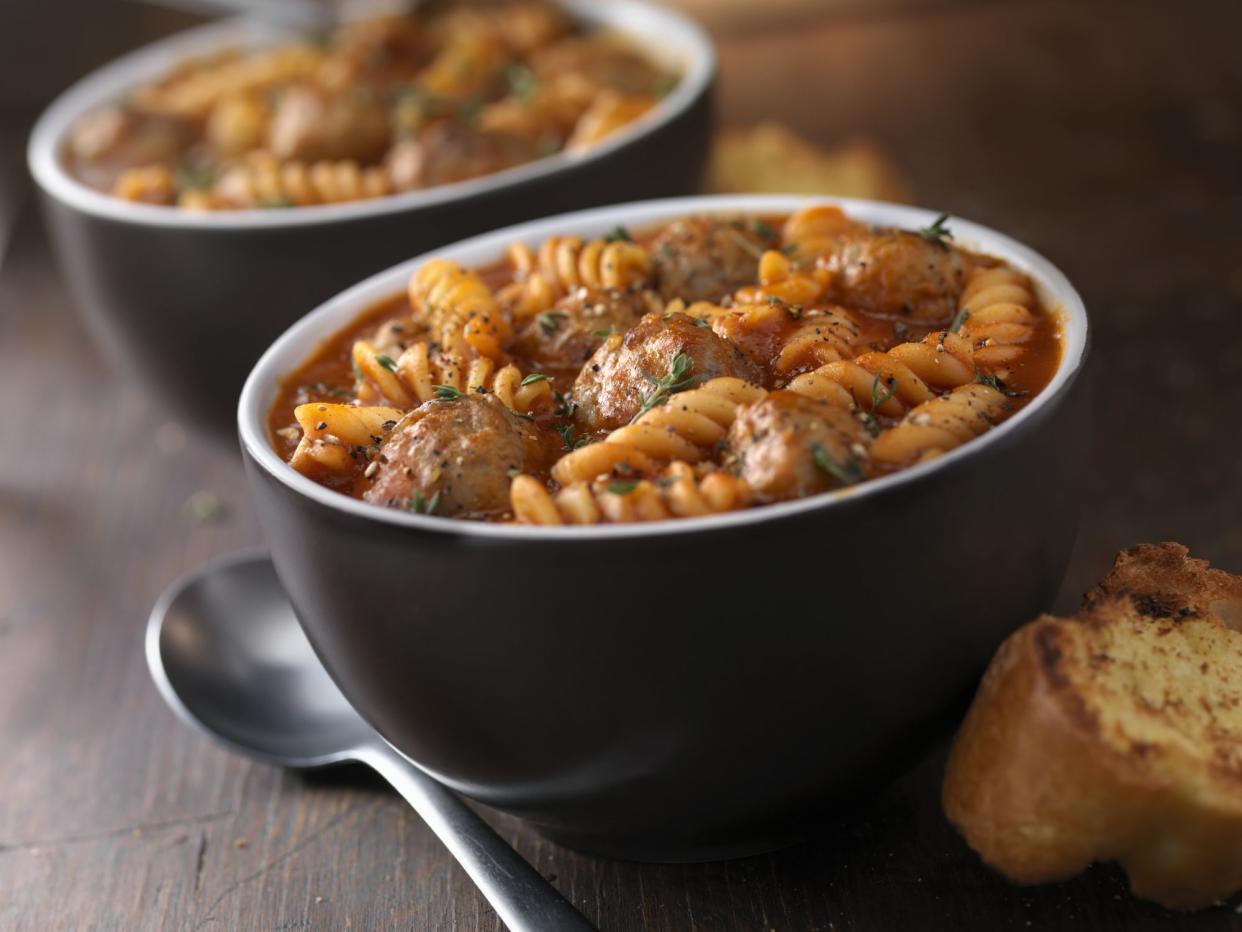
{"x":249,"y":678}
{"x":228,"y":654}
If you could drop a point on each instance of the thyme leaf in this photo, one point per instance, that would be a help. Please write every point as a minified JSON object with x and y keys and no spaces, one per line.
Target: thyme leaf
{"x":447,"y":393}
{"x":422,"y":505}
{"x":992,"y":381}
{"x":622,"y":486}
{"x":846,"y":473}
{"x":962,"y":316}
{"x":676,"y":380}
{"x":938,"y":232}
{"x":387,"y":362}
{"x":550,"y":321}
{"x":533,"y":378}
{"x":878,"y":399}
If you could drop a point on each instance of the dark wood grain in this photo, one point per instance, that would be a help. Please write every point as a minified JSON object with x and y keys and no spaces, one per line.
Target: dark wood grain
{"x":1109,"y":136}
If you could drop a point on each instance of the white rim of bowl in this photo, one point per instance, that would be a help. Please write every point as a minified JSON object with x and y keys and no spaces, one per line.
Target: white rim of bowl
{"x":293,"y":347}
{"x":681,"y":38}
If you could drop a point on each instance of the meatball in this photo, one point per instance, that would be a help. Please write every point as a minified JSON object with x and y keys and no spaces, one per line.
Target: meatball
{"x":458,"y":455}
{"x":565,"y":337}
{"x":106,"y":143}
{"x":895,"y":273}
{"x":789,"y":445}
{"x":704,"y":259}
{"x":610,"y":388}
{"x":448,"y":151}
{"x":309,"y":125}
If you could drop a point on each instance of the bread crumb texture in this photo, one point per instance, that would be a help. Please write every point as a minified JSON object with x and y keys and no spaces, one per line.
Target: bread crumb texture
{"x":1114,"y":735}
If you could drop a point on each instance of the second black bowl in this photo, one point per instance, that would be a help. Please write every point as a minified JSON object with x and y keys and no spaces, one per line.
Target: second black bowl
{"x":188,"y":301}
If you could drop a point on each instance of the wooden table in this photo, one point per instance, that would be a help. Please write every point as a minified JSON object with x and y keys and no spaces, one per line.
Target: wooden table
{"x":1107,"y":136}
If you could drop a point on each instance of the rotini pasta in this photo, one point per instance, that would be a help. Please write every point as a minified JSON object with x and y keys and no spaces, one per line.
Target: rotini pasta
{"x":377,"y":107}
{"x":996,"y":315}
{"x":815,"y":231}
{"x":264,"y":181}
{"x":564,"y":264}
{"x":192,"y":93}
{"x":487,"y":394}
{"x":463,"y":314}
{"x":675,"y":493}
{"x":420,"y":374}
{"x":332,"y":432}
{"x":781,"y":280}
{"x":939,"y":425}
{"x":683,"y":428}
{"x":889,"y":383}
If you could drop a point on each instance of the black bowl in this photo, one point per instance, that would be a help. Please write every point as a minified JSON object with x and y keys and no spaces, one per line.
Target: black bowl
{"x":188,"y":301}
{"x":683,"y":689}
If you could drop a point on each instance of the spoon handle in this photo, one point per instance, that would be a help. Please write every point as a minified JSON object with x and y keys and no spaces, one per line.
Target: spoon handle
{"x":524,"y":901}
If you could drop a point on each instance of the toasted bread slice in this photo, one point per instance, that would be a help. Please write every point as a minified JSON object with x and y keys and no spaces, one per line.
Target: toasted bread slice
{"x":1114,"y":735}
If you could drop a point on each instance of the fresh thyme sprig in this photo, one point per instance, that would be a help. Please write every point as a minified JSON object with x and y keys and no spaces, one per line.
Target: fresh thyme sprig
{"x":997,"y":383}
{"x":567,"y":437}
{"x":793,"y":310}
{"x":678,"y":379}
{"x":565,"y":405}
{"x":550,"y":321}
{"x":938,"y":232}
{"x":419,"y":504}
{"x":847,"y":472}
{"x":878,"y":399}
{"x":447,"y":393}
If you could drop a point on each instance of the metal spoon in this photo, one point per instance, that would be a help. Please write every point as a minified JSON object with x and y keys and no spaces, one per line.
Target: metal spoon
{"x":228,"y":654}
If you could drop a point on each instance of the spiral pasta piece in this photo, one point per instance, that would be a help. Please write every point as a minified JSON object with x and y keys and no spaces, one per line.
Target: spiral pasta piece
{"x":939,"y":425}
{"x":892,"y":382}
{"x":684,"y":428}
{"x":419,"y":374}
{"x":610,"y":111}
{"x":566,"y":263}
{"x":815,"y":231}
{"x":676,"y":493}
{"x":194,"y":91}
{"x":265,"y":181}
{"x":996,"y":308}
{"x":823,"y":337}
{"x":466,"y":65}
{"x":782,"y":280}
{"x":461,"y":310}
{"x":333,"y":433}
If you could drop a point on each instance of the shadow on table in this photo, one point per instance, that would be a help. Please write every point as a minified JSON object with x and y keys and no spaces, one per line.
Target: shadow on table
{"x":891,"y":862}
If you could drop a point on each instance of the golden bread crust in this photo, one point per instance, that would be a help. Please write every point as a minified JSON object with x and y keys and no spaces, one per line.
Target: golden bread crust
{"x":1114,"y":735}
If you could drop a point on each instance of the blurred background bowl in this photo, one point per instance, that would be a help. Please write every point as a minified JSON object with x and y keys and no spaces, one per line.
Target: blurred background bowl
{"x":693,"y":689}
{"x":186,"y":302}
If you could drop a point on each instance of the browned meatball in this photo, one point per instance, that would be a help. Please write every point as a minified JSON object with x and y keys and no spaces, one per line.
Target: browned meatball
{"x":384,"y":50}
{"x":610,"y":388}
{"x":458,"y":455}
{"x":309,"y":125}
{"x":898,"y":274}
{"x":704,"y":259}
{"x":565,"y":337}
{"x":107,"y":142}
{"x":788,"y":446}
{"x":448,"y":151}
